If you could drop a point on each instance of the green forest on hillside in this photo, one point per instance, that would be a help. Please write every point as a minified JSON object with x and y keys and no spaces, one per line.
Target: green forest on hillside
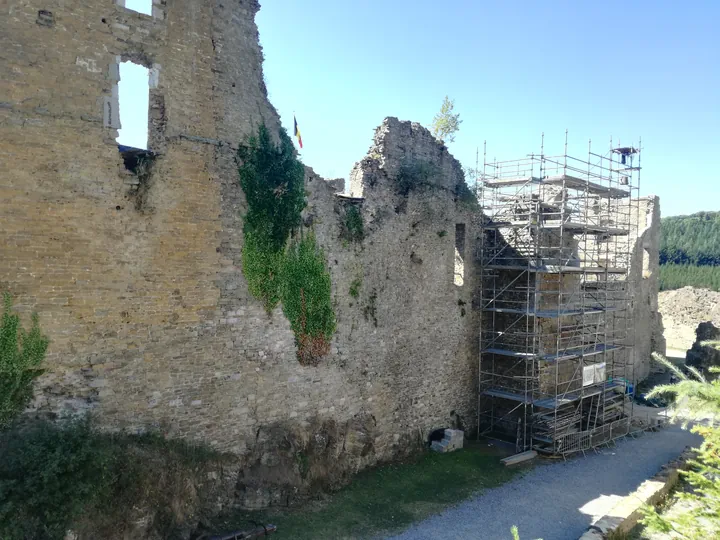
{"x":690,"y":251}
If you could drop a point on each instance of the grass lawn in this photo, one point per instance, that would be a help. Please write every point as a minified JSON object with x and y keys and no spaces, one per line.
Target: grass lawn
{"x":387,"y":498}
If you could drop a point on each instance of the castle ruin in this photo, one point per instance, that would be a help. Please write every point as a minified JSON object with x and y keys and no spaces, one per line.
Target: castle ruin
{"x":136,"y":271}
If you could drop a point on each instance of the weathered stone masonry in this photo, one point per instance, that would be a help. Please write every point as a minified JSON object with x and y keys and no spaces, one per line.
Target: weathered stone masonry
{"x":151,"y":322}
{"x":645,"y":276}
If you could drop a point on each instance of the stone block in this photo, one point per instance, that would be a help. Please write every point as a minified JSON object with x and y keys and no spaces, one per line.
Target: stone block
{"x":452,"y":440}
{"x":438,"y":447}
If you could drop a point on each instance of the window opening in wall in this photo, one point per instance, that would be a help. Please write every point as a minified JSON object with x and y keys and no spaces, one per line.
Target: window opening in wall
{"x":134,"y":103}
{"x":459,"y":272}
{"x":646,"y":272}
{"x":141,"y":6}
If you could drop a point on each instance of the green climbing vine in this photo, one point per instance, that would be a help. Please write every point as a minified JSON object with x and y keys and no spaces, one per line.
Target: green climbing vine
{"x":414,"y":174}
{"x":273,"y":181}
{"x":355,"y":286}
{"x":353,"y":227}
{"x":21,"y":353}
{"x":307,"y":299}
{"x":277,"y":268}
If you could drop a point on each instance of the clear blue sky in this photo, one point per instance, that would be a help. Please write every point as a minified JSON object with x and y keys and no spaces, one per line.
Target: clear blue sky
{"x":134,"y":98}
{"x":143,"y":6}
{"x":134,"y":93}
{"x":515,"y":69}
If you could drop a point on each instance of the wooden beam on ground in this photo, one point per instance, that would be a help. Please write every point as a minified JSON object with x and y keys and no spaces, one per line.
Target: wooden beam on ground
{"x":519,"y":458}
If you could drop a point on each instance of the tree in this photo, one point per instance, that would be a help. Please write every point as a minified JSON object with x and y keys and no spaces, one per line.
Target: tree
{"x":446,"y":124}
{"x":699,"y":398}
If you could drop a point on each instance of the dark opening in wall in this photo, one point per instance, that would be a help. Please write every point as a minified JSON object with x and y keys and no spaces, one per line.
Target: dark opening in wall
{"x":135,"y":159}
{"x":45,"y":18}
{"x":139,"y":164}
{"x":459,"y":266}
{"x":646,"y":272}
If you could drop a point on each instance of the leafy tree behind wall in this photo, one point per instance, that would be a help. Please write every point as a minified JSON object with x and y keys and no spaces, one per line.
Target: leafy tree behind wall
{"x":446,"y":124}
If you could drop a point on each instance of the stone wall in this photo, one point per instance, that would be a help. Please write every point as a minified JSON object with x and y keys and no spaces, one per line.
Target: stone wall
{"x":644,"y":284}
{"x":641,"y":328}
{"x":151,"y":321}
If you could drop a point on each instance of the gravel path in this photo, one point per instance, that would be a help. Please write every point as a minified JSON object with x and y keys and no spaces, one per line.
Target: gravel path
{"x":558,"y":500}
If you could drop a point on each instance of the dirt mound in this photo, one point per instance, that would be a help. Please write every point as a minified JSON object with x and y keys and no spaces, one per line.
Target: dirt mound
{"x":682,"y":310}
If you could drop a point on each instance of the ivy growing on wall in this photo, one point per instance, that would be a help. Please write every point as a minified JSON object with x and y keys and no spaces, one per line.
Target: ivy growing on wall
{"x":355,"y":286}
{"x":307,"y":299}
{"x":21,"y":353}
{"x":414,"y":174}
{"x":353,"y":227}
{"x":278,"y":269}
{"x":273,"y":181}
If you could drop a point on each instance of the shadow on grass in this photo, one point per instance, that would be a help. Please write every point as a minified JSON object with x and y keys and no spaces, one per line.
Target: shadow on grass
{"x":387,"y":498}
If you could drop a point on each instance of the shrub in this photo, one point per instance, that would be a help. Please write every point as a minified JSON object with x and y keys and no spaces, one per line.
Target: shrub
{"x":272,"y":179}
{"x":414,"y":174}
{"x":516,"y":534}
{"x":355,"y":287}
{"x":701,"y":518}
{"x":21,"y":354}
{"x":353,"y":227}
{"x":261,"y":267}
{"x":54,"y":478}
{"x":306,"y":294}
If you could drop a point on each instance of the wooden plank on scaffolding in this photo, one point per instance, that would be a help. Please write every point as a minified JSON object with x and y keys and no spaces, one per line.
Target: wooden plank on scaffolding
{"x":568,"y":226}
{"x":557,"y":269}
{"x":583,"y":185}
{"x":568,"y":181}
{"x":518,"y":181}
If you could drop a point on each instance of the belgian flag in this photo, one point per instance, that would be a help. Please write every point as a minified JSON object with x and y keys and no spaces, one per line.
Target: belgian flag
{"x":297,"y":132}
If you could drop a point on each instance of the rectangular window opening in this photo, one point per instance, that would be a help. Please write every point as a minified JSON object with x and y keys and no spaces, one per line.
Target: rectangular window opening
{"x":646,"y":272}
{"x":459,"y":268}
{"x":141,"y":6}
{"x":134,"y":105}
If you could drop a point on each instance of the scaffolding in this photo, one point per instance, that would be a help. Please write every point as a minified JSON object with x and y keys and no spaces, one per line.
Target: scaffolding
{"x":555,"y":249}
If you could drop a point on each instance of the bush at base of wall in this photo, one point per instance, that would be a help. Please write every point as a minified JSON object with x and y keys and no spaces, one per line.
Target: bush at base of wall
{"x":57,"y":478}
